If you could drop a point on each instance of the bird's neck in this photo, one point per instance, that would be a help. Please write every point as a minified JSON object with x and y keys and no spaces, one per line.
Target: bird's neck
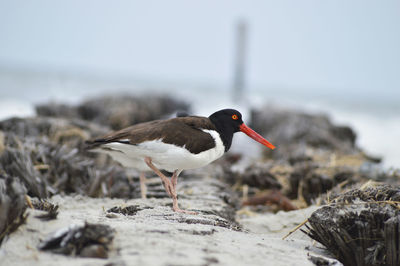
{"x":225,"y":133}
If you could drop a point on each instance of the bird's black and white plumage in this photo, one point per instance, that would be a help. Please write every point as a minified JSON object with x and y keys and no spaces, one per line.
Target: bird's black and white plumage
{"x":175,"y":144}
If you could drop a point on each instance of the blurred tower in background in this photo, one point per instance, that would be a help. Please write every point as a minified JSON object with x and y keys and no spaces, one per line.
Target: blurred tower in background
{"x":239,"y":61}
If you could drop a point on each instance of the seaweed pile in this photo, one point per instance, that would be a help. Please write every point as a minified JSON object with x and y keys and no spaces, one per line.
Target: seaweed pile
{"x":49,"y":159}
{"x":360,"y":227}
{"x":313,"y":157}
{"x":44,"y":155}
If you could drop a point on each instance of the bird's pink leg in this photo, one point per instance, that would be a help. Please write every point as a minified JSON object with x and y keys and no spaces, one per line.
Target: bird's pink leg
{"x":143,"y":187}
{"x":170,"y":187}
{"x":167,"y":184}
{"x":175,"y":206}
{"x":174,"y":179}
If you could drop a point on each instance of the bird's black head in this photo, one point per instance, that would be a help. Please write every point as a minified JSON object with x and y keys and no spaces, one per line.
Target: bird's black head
{"x":228,"y":122}
{"x":229,"y":119}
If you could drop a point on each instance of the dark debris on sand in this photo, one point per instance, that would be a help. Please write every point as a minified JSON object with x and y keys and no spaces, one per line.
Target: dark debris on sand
{"x":89,"y":240}
{"x":128,"y":210}
{"x":44,"y":205}
{"x":361,"y":226}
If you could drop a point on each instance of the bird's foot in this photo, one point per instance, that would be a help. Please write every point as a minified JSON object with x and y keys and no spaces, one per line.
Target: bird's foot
{"x":177,"y":209}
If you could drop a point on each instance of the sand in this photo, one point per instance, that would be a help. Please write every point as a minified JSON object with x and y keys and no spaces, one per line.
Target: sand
{"x":158,"y":236}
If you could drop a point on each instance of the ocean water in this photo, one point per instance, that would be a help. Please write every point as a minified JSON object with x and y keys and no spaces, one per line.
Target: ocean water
{"x":376,"y":121}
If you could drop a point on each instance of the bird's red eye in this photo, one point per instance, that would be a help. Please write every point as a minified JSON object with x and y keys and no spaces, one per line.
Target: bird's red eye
{"x":234,"y":117}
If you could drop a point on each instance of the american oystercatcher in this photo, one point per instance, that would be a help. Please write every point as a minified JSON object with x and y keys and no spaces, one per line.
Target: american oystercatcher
{"x":175,"y":144}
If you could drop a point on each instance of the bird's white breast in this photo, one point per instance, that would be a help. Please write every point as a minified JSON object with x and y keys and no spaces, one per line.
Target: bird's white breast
{"x":164,"y":156}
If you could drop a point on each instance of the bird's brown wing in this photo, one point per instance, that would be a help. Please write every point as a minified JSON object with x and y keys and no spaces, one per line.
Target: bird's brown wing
{"x":181,"y":131}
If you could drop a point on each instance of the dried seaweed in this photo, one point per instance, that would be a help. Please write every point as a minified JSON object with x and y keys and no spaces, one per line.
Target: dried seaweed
{"x":360,"y":227}
{"x":18,"y":163}
{"x":89,"y":240}
{"x":12,"y":205}
{"x":47,"y":167}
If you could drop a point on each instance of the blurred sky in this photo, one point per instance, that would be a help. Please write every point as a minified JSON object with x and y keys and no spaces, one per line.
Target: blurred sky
{"x":336,"y":56}
{"x":328,"y":47}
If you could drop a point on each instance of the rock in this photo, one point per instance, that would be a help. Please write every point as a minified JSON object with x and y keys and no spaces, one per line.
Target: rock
{"x":117,"y":111}
{"x":360,"y":227}
{"x":58,"y":130}
{"x":53,"y":109}
{"x":293,"y":132}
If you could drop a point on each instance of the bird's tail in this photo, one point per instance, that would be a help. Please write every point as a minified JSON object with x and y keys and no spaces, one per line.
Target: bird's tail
{"x":94,"y":144}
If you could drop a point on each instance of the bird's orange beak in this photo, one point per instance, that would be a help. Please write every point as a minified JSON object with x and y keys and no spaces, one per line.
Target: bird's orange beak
{"x":254,"y":135}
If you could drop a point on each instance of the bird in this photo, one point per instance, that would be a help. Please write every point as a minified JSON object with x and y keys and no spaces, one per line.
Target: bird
{"x":174,"y":145}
